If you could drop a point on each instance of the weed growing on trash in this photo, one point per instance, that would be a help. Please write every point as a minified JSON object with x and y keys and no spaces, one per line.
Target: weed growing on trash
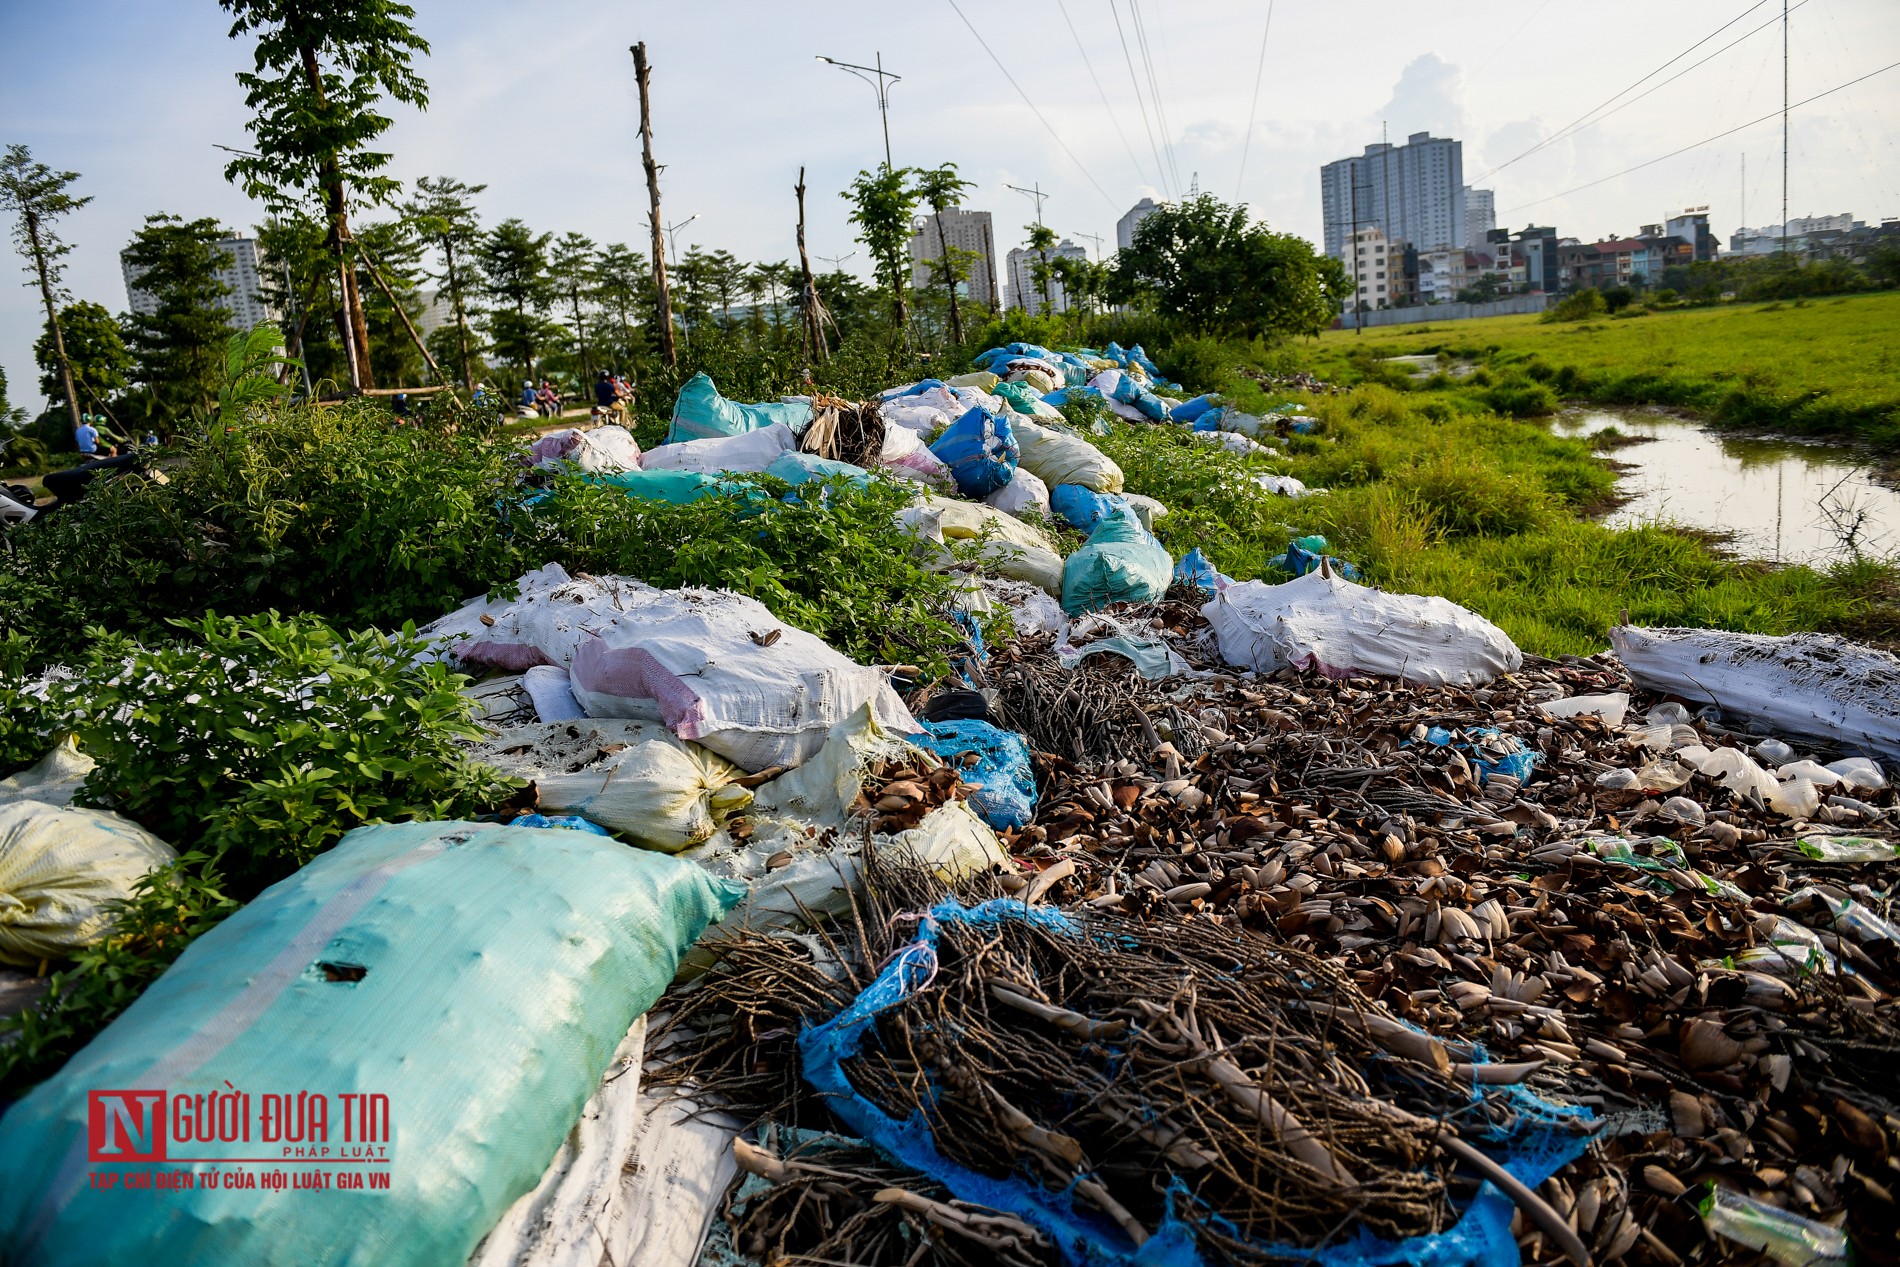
{"x":253,"y":744}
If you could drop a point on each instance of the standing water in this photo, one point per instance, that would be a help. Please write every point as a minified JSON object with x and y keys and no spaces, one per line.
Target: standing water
{"x":1775,"y":499}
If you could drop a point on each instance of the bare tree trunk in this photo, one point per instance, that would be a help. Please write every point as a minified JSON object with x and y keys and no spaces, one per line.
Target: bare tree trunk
{"x":376,"y":275}
{"x":580,"y":334}
{"x":356,"y":336}
{"x":949,"y":280}
{"x":663,"y":302}
{"x":989,"y":268}
{"x":52,"y":317}
{"x":808,"y":297}
{"x":461,"y":319}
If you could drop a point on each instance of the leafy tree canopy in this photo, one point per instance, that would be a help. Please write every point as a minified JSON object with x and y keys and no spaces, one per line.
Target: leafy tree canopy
{"x":1203,"y":262}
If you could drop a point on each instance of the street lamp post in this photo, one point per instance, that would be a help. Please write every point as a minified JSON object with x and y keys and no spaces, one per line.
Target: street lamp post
{"x":881,"y":85}
{"x":672,"y":243}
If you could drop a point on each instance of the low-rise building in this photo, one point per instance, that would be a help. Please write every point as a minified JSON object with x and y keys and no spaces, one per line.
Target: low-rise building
{"x":1376,"y":269}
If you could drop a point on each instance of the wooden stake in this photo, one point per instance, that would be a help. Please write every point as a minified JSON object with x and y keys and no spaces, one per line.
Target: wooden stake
{"x":809,"y":308}
{"x":663,"y":302}
{"x":376,"y":275}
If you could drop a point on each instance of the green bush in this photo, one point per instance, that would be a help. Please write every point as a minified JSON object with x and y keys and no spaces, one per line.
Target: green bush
{"x":1578,"y":306}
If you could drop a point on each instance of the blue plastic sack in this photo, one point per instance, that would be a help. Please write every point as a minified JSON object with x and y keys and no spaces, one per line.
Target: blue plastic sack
{"x":1081,"y":507}
{"x":1006,"y":787}
{"x":1208,"y":421}
{"x":1303,"y":554}
{"x":1189,"y":410}
{"x":479,"y":976}
{"x":802,"y":468}
{"x":981,"y":452}
{"x":701,"y":413}
{"x":1304,"y":426}
{"x":915,"y":389}
{"x":1194,"y":569}
{"x":1121,"y":563}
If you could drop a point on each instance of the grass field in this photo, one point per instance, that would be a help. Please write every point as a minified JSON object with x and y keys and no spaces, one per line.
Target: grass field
{"x":1817,"y":367}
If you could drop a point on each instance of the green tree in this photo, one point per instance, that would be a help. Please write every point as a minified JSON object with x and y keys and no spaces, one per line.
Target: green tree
{"x":622,"y":285}
{"x":757,"y":281}
{"x":778,"y":278}
{"x":941,"y":188}
{"x":1081,"y":281}
{"x":96,"y":358}
{"x":321,"y":72}
{"x":36,"y":195}
{"x":881,"y":207}
{"x":395,"y":250}
{"x":1202,"y":262}
{"x":570,"y":274}
{"x":1041,"y":238}
{"x":1483,"y":291}
{"x":443,"y":213}
{"x":697,"y":285}
{"x":178,"y":348}
{"x":514,"y":264}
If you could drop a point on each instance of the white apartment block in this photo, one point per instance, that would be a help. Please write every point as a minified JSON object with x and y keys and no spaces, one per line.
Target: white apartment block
{"x":964,"y":230}
{"x":1125,"y":227}
{"x":1481,"y":216}
{"x":1413,"y":193}
{"x":1025,"y":293}
{"x":1376,"y":268}
{"x":244,"y":294}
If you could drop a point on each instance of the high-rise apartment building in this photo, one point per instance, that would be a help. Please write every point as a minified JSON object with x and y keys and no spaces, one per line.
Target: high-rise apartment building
{"x":244,"y":293}
{"x":1025,"y":292}
{"x":1413,"y":192}
{"x":962,"y":230}
{"x":1125,"y":227}
{"x":1481,"y":216}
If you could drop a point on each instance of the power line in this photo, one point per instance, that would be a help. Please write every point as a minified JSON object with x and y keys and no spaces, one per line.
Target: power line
{"x":1254,"y":106}
{"x":1106,"y":108}
{"x":1509,"y":38}
{"x":1154,"y":90}
{"x":1134,"y":81}
{"x":1579,"y":120}
{"x":1773,"y":114}
{"x":1032,"y":106}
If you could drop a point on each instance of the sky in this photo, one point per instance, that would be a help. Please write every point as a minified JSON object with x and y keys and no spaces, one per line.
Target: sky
{"x":536,"y":99}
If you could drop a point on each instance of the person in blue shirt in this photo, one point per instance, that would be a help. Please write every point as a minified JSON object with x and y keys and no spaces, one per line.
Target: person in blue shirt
{"x":527,"y":397}
{"x":87,"y":436}
{"x":606,"y":396}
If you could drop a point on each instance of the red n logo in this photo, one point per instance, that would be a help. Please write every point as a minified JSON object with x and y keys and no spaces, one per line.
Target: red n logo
{"x":125,"y":1126}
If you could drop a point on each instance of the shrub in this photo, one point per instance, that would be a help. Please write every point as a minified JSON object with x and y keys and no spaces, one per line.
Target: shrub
{"x":1520,"y":398}
{"x":1578,"y":306}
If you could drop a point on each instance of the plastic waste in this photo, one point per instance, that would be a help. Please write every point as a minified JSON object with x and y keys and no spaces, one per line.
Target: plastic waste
{"x":1194,"y":569}
{"x":1059,"y":457}
{"x":1774,"y":752}
{"x":1026,"y":399}
{"x":1023,"y":493}
{"x":609,"y":448}
{"x":1303,"y":555}
{"x":481,"y":977}
{"x":547,"y":619}
{"x":904,"y":454}
{"x":719,"y":669}
{"x":1846,"y":915}
{"x":1783,"y":1236}
{"x":635,"y":777}
{"x":802,"y":468}
{"x":1669,"y":713}
{"x":564,"y":822}
{"x":676,"y":488}
{"x":1794,"y":798}
{"x":1283,"y":486}
{"x":750,"y":451}
{"x":1859,"y":773}
{"x":982,"y":380}
{"x":924,"y":420}
{"x":1146,"y":509}
{"x":1233,"y":442}
{"x":60,"y":869}
{"x":1332,"y":626}
{"x":1189,"y":410}
{"x":1491,"y":751}
{"x":1011,"y":548}
{"x":1813,"y":771}
{"x":701,"y":413}
{"x":1612,"y":708}
{"x":553,"y":694}
{"x":1122,"y":563}
{"x":1006,"y":787}
{"x":1732,"y":768}
{"x":1664,"y":862}
{"x":53,"y":779}
{"x":1787,"y":947}
{"x":981,"y":451}
{"x":1083,"y":508}
{"x":1812,"y":686}
{"x":1849,"y":849}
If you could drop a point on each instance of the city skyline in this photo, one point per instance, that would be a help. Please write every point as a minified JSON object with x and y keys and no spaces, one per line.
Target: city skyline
{"x":159,"y":94}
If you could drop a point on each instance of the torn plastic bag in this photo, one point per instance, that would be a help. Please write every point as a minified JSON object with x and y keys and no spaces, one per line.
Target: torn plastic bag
{"x":721,"y":670}
{"x":981,"y":451}
{"x":1013,"y":549}
{"x":635,"y":777}
{"x":1006,"y":787}
{"x":602,"y":449}
{"x":60,"y":870}
{"x":1062,"y":457}
{"x":749,"y":452}
{"x":1122,"y":563}
{"x":905,"y":454}
{"x":1815,"y":686}
{"x":481,"y":977}
{"x":1194,"y":569}
{"x":1303,"y":555}
{"x":1233,"y":442}
{"x":920,"y":419}
{"x":547,"y":619}
{"x":1025,"y":400}
{"x":701,"y":413}
{"x":1024,"y":492}
{"x":1332,"y":626}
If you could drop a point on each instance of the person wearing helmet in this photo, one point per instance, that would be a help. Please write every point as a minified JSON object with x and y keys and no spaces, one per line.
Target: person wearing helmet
{"x":527,"y":398}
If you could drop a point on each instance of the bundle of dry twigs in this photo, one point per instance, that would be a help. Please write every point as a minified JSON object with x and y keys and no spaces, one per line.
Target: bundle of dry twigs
{"x":844,"y":431}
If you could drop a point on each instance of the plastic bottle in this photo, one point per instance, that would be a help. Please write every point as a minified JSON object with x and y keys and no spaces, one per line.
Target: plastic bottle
{"x":1784,"y":1237}
{"x":1849,"y":849}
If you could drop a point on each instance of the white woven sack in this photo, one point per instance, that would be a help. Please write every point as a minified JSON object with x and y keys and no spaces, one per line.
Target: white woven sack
{"x":553,"y":612}
{"x":1056,"y":458}
{"x":905,"y":454}
{"x":1024,"y":492}
{"x":1812,"y":686}
{"x":748,"y":453}
{"x":719,"y":669}
{"x":60,"y":868}
{"x":1330,"y":625}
